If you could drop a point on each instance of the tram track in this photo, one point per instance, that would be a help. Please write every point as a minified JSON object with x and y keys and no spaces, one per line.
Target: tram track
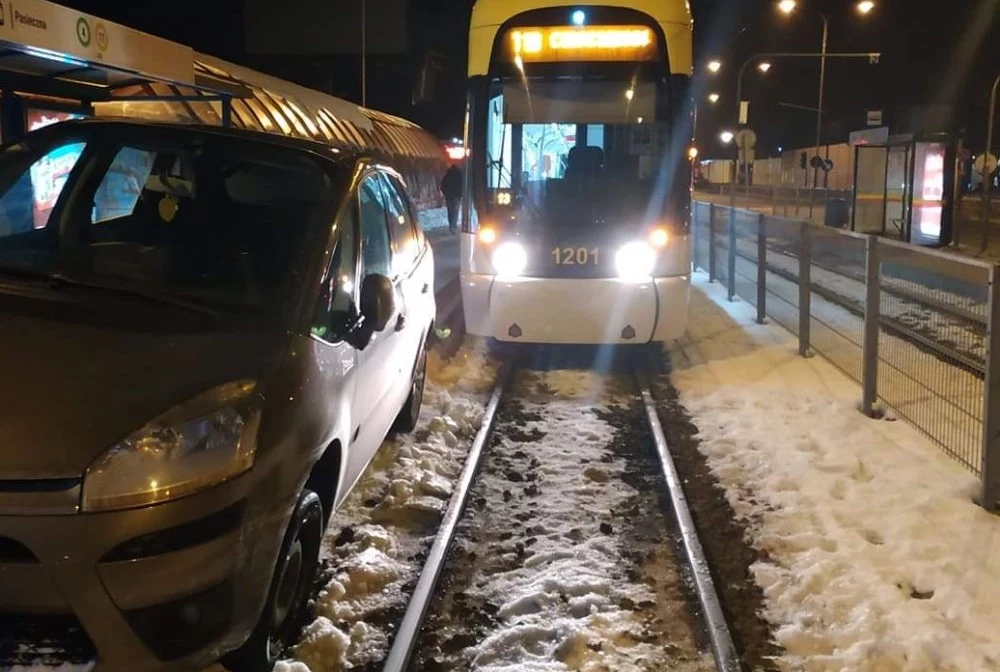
{"x":567,"y":535}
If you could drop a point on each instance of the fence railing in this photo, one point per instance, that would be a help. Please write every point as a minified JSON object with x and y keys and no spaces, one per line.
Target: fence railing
{"x":918,"y":329}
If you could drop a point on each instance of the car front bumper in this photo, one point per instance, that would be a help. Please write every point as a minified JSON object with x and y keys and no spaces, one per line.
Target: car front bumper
{"x":165,"y":587}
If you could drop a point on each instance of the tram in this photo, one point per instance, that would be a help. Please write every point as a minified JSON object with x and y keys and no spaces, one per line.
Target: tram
{"x":575,"y":225}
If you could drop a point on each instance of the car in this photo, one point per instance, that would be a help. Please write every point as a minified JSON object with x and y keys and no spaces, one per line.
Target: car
{"x":207,"y":334}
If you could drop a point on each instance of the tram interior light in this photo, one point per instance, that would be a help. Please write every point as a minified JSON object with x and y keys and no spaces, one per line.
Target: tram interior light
{"x":510,"y":259}
{"x":635,"y":261}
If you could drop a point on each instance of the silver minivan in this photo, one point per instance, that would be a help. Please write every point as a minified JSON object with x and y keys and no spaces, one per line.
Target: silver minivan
{"x":205,"y":336}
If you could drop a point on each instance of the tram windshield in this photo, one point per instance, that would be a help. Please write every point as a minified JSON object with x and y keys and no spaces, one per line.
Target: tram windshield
{"x":567,"y":152}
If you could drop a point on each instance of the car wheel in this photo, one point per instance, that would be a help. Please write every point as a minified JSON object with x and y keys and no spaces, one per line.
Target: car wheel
{"x":406,"y":421}
{"x":288,"y":594}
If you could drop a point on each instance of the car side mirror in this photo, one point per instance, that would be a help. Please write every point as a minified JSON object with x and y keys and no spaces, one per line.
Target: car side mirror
{"x":378,"y":301}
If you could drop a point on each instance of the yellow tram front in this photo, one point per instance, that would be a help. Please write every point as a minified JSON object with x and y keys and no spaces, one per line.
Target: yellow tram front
{"x":578,"y":181}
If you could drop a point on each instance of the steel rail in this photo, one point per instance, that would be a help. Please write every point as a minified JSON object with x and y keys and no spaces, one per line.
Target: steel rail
{"x":721,"y":639}
{"x":409,"y":628}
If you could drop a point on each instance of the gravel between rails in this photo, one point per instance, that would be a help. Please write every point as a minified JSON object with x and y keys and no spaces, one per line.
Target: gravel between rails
{"x":565,"y":558}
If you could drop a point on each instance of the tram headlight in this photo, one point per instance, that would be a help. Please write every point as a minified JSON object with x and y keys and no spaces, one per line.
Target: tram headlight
{"x":635,"y":261}
{"x":510,"y":260}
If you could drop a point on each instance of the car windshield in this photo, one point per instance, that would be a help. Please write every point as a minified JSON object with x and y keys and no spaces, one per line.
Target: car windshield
{"x":573,"y":152}
{"x":182,"y":218}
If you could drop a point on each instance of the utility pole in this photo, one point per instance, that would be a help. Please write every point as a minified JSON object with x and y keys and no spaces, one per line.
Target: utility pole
{"x":819,"y":111}
{"x":364,"y":53}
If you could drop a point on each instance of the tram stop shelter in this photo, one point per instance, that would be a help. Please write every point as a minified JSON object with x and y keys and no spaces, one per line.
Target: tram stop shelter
{"x":902,"y":186}
{"x":58,"y":64}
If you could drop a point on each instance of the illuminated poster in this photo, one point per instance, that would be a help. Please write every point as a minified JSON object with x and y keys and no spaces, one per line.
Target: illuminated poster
{"x":929,"y":208}
{"x":49,"y":174}
{"x":41,"y":118}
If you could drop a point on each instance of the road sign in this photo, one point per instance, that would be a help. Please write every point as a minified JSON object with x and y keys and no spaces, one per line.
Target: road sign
{"x":991,"y":163}
{"x":744,"y":111}
{"x":874,"y":117}
{"x":745,"y":138}
{"x":827,"y":165}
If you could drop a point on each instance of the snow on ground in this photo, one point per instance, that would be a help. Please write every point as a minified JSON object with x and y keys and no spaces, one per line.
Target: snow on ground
{"x":543,"y":552}
{"x":65,"y":667}
{"x":376,"y":540}
{"x":878,"y":560}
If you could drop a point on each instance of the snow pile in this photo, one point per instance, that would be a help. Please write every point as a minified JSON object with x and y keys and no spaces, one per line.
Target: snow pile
{"x":376,"y":540}
{"x":64,"y":667}
{"x":878,"y":560}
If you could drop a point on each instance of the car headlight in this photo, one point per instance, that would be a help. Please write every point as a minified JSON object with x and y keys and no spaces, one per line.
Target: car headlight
{"x":194,"y":446}
{"x":635,"y":261}
{"x":510,"y":259}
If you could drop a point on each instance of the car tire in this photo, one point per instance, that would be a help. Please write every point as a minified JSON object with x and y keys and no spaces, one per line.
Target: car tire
{"x":407,"y":419}
{"x":289,"y":591}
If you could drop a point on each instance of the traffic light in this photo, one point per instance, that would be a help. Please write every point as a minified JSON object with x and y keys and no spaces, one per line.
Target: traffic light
{"x":803,"y":160}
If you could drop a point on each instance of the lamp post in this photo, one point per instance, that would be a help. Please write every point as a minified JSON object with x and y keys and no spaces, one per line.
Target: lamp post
{"x":364,"y":53}
{"x":864,"y":7}
{"x":871,"y":56}
{"x":987,"y":174}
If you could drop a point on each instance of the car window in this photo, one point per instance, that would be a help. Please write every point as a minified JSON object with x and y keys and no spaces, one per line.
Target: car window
{"x":122,"y":185}
{"x":219,"y":221}
{"x":337,"y":308}
{"x":400,"y":225}
{"x":375,"y":249}
{"x":27,"y":204}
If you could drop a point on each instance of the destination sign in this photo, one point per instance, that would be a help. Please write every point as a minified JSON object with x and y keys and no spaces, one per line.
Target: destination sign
{"x":586,"y":43}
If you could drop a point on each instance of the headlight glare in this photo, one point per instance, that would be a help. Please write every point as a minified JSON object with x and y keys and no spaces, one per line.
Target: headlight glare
{"x":182,"y":452}
{"x":635,"y":261}
{"x":510,"y":259}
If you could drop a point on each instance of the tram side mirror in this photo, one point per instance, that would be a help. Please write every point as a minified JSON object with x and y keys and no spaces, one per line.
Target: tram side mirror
{"x":378,"y":301}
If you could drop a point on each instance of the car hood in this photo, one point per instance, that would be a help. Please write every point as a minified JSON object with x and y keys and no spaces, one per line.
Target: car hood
{"x":68,"y":392}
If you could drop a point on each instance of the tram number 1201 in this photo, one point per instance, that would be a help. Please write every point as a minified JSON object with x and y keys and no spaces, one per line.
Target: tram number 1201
{"x":576,"y":256}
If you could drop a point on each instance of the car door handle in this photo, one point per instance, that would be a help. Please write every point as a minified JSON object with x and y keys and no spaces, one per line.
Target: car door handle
{"x":400,"y":322}
{"x":426,"y":288}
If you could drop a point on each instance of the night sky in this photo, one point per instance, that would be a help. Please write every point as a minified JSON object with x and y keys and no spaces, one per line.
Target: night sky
{"x":934,"y":52}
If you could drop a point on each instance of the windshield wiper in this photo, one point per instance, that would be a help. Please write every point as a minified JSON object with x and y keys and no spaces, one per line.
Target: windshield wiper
{"x":59,"y":280}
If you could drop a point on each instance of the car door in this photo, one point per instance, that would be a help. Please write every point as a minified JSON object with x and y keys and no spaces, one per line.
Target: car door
{"x":413,"y":288}
{"x":337,"y":360}
{"x":376,"y":362}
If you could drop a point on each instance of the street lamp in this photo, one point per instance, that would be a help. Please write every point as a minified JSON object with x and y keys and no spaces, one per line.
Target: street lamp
{"x":764,"y":66}
{"x":864,"y":7}
{"x":364,"y":53}
{"x":726,"y":137}
{"x":713,"y":98}
{"x":714,"y":66}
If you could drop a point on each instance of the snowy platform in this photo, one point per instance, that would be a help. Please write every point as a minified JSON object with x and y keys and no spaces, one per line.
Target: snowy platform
{"x":878,"y":559}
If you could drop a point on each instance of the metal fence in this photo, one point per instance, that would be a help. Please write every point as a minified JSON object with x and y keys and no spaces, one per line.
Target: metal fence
{"x":918,"y":329}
